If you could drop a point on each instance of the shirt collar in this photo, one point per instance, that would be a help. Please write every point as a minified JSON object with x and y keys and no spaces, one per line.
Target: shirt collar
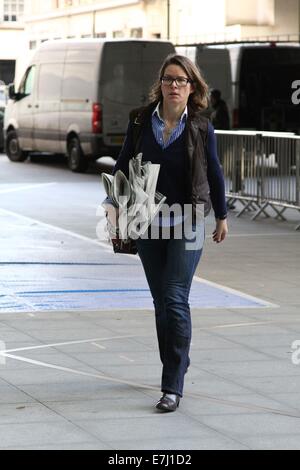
{"x":157,"y":113}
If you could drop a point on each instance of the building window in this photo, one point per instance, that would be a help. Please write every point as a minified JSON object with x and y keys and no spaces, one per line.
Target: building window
{"x":13,"y":10}
{"x":100,"y":35}
{"x":32,"y":44}
{"x":136,"y":32}
{"x":118,"y":34}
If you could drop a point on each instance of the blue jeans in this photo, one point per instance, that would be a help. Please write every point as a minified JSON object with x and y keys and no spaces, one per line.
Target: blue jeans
{"x":169,"y":269}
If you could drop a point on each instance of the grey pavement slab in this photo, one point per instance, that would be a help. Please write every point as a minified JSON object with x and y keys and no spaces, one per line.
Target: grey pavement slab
{"x":246,"y":403}
{"x":41,"y":375}
{"x":27,"y":413}
{"x":68,"y":334}
{"x":256,"y":426}
{"x":12,"y":394}
{"x":92,"y":444}
{"x":12,"y":335}
{"x":175,"y":443}
{"x":41,"y":433}
{"x":152,"y":427}
{"x":217,"y":387}
{"x":231,"y":355}
{"x":290,"y":399}
{"x":271,"y":384}
{"x":261,"y":341}
{"x":242,"y":389}
{"x":109,"y":359}
{"x":248,"y":369}
{"x":102,"y":409}
{"x":282,"y":442}
{"x":78,"y":390}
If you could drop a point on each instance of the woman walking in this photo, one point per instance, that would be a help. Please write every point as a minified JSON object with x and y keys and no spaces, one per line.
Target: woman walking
{"x":172,"y":132}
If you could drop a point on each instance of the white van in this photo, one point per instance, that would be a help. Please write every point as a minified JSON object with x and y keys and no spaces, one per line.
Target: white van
{"x":75,"y":97}
{"x":3,"y":101}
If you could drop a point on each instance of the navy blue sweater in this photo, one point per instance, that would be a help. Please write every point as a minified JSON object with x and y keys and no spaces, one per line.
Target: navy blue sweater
{"x":171,"y":179}
{"x":172,"y":161}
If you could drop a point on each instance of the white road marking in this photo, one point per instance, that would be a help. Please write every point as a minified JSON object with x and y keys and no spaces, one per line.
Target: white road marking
{"x":237,"y":325}
{"x":74,"y":371}
{"x":9,"y":293}
{"x":99,"y":346}
{"x":237,"y":292}
{"x":93,"y":341}
{"x":126,"y":358}
{"x":106,"y":246}
{"x":22,"y":188}
{"x":156,"y":389}
{"x":66,"y":343}
{"x":134,"y":384}
{"x":58,"y":229}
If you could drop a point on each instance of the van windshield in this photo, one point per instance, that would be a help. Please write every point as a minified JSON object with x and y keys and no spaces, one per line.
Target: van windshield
{"x":266,"y":78}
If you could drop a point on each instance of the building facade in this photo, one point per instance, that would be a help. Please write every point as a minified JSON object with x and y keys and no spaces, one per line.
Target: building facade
{"x":88,"y":18}
{"x":12,"y":37}
{"x":182,"y":21}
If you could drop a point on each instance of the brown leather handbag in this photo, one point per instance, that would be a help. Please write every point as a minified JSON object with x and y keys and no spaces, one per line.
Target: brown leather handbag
{"x":124,"y":246}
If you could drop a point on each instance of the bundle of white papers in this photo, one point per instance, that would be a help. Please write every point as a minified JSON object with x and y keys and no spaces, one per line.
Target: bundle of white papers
{"x":136,"y":198}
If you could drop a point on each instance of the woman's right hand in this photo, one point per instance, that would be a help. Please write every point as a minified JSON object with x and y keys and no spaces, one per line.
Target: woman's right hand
{"x":112,"y":214}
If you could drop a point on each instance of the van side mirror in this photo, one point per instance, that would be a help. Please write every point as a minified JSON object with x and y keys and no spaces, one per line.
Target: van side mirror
{"x":11,"y":91}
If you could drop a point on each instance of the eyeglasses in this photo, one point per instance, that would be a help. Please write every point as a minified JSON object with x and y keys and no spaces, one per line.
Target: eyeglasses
{"x":180,"y":81}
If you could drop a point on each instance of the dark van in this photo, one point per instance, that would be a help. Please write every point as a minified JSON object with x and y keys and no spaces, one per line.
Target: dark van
{"x":256,"y":82}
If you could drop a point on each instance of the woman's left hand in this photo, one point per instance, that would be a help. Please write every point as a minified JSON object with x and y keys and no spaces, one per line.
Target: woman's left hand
{"x":221,"y":230}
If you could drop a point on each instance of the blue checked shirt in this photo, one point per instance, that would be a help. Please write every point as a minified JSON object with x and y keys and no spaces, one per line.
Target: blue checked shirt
{"x":158,"y":126}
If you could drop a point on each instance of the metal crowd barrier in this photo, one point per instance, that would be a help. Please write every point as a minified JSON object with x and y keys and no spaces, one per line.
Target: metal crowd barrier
{"x":261,"y":170}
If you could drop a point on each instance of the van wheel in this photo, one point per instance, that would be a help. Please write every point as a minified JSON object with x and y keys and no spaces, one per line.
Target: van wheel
{"x":13,"y":149}
{"x":76,"y":159}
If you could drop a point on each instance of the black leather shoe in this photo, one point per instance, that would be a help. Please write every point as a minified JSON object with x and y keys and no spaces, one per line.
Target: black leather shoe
{"x":166,"y":404}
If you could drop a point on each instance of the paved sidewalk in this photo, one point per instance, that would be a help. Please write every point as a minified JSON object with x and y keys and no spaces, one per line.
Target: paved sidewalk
{"x":88,"y":378}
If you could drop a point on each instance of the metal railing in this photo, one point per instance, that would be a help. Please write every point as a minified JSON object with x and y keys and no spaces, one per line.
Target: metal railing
{"x":261,"y":170}
{"x":232,"y":37}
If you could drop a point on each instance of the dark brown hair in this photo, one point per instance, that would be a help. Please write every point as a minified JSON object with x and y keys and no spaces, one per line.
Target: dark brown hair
{"x":198,"y":100}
